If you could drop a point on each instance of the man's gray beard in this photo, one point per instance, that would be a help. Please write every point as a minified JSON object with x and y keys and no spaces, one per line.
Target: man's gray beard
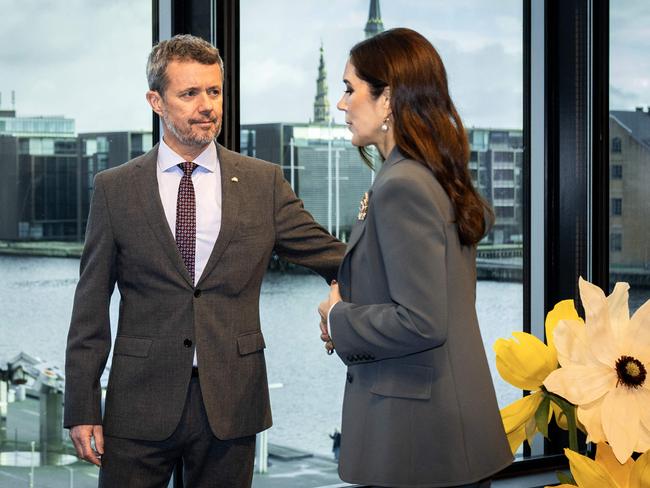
{"x":188,"y":139}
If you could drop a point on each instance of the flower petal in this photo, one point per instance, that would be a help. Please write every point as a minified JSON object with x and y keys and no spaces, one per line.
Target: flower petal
{"x":516,"y":415}
{"x":640,"y":476}
{"x":619,"y":472}
{"x":572,"y":346}
{"x":564,"y":310}
{"x":581,"y":384}
{"x":587,"y":473}
{"x":621,"y":422}
{"x":600,"y":336}
{"x":619,"y":312}
{"x":589,"y":415}
{"x":524,"y":361}
{"x":639,"y":340}
{"x":643,"y":397}
{"x":643,"y":443}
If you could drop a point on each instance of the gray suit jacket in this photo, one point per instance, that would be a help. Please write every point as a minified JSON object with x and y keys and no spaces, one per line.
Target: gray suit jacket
{"x":163,"y":317}
{"x":419,"y":407}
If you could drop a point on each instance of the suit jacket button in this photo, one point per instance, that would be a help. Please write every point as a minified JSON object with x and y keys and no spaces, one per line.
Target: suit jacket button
{"x":350,"y":377}
{"x":197,"y":293}
{"x":187,"y":343}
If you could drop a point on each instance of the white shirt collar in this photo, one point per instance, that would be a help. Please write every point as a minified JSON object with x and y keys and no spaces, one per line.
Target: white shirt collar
{"x":168,"y":158}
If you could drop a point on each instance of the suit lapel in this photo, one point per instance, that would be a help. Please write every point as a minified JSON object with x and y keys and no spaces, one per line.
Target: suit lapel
{"x":357,"y":231}
{"x":149,"y":195}
{"x":359,"y":226}
{"x":228,"y":163}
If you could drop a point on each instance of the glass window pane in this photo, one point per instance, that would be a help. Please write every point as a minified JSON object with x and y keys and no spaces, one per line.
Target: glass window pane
{"x":629,"y":144}
{"x":289,"y":92}
{"x":71,"y":92}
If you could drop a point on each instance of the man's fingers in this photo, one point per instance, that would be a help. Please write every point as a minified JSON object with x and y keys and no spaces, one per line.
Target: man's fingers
{"x":81,"y":436}
{"x":77,"y":447}
{"x":98,"y":433}
{"x":89,"y":454}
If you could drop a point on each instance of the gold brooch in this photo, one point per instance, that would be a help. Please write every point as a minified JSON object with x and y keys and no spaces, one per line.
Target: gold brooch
{"x":363,"y":207}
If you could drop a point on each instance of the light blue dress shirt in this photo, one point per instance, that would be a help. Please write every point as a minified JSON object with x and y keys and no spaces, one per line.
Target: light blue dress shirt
{"x":207,"y":190}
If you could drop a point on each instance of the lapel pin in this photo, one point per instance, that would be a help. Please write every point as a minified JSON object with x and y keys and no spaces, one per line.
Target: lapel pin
{"x":235,"y":179}
{"x":363,"y":207}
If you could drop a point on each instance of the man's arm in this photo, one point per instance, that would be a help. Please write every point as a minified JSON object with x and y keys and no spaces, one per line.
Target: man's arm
{"x":89,"y":337}
{"x":298,"y":238}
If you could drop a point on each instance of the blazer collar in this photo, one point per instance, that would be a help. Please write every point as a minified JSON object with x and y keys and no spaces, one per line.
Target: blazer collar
{"x":393,"y":158}
{"x":152,"y":206}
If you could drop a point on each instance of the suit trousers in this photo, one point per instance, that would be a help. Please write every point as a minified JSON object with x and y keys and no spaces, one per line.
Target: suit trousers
{"x":207,"y":460}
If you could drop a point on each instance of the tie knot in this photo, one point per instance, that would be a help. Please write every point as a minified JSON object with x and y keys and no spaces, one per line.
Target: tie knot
{"x":188,"y":167}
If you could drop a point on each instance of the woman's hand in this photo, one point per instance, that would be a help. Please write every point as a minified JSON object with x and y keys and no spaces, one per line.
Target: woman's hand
{"x":323,"y":310}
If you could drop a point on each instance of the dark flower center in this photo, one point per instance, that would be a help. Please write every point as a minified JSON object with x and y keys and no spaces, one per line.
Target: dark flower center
{"x":631,"y":372}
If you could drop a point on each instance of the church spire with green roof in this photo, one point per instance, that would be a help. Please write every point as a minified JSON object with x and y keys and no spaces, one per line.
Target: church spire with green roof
{"x":374,"y":24}
{"x":321,"y":102}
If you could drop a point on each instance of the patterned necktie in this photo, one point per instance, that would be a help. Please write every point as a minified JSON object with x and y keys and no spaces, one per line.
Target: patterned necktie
{"x":186,"y":217}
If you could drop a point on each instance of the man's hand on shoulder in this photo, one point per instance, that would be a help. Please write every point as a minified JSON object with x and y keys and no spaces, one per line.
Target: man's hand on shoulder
{"x":82,"y":437}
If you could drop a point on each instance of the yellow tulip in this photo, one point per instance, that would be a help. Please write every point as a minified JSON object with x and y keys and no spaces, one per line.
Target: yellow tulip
{"x":606,"y":471}
{"x":519,"y":419}
{"x":525,"y":361}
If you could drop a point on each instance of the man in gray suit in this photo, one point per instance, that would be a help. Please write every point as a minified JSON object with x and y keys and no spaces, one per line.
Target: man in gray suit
{"x":186,"y":231}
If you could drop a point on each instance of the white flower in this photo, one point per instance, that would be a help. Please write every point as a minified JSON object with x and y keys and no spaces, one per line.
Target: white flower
{"x":604,"y":369}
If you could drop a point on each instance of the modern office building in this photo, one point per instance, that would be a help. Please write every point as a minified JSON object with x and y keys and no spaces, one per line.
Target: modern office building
{"x":323,"y":167}
{"x":48,"y":172}
{"x":39,"y":188}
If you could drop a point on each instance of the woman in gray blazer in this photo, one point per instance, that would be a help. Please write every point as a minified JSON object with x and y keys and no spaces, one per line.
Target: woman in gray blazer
{"x":419,"y":407}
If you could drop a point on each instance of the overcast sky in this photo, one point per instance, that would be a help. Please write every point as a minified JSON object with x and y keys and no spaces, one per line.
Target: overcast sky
{"x":85,"y":59}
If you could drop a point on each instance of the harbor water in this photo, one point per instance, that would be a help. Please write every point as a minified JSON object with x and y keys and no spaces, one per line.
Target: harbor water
{"x":36,"y":300}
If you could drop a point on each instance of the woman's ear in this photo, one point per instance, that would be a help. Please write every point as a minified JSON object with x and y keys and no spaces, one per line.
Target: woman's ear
{"x":386,"y":96}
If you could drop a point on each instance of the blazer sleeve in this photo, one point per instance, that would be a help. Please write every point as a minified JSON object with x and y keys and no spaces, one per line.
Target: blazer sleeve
{"x":412,"y":242}
{"x":89,"y":336}
{"x":298,"y":238}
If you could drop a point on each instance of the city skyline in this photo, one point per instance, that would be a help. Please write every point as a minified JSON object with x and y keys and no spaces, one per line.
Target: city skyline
{"x":67,"y":63}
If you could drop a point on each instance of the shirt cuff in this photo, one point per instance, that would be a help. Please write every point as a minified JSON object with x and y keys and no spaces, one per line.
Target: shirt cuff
{"x":329,"y":328}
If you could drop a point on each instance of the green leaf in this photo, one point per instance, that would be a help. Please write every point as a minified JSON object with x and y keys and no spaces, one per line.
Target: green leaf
{"x":541,"y":416}
{"x":566,"y":478}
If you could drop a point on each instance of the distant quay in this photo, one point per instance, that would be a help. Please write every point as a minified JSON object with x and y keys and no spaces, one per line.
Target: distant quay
{"x":58,"y":249}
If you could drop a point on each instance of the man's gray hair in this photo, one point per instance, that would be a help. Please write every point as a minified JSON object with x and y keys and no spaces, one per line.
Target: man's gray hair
{"x":182,"y":47}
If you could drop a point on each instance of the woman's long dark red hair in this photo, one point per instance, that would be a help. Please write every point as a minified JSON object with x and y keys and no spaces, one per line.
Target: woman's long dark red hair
{"x":426,"y":125}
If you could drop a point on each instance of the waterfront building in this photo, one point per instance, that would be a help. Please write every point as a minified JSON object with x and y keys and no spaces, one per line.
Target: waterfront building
{"x":321,"y":164}
{"x":496,"y":166}
{"x":39,"y":188}
{"x":629,"y":160}
{"x":48,"y":172}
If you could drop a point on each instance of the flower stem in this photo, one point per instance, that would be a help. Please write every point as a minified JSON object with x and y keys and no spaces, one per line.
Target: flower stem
{"x":569,"y":410}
